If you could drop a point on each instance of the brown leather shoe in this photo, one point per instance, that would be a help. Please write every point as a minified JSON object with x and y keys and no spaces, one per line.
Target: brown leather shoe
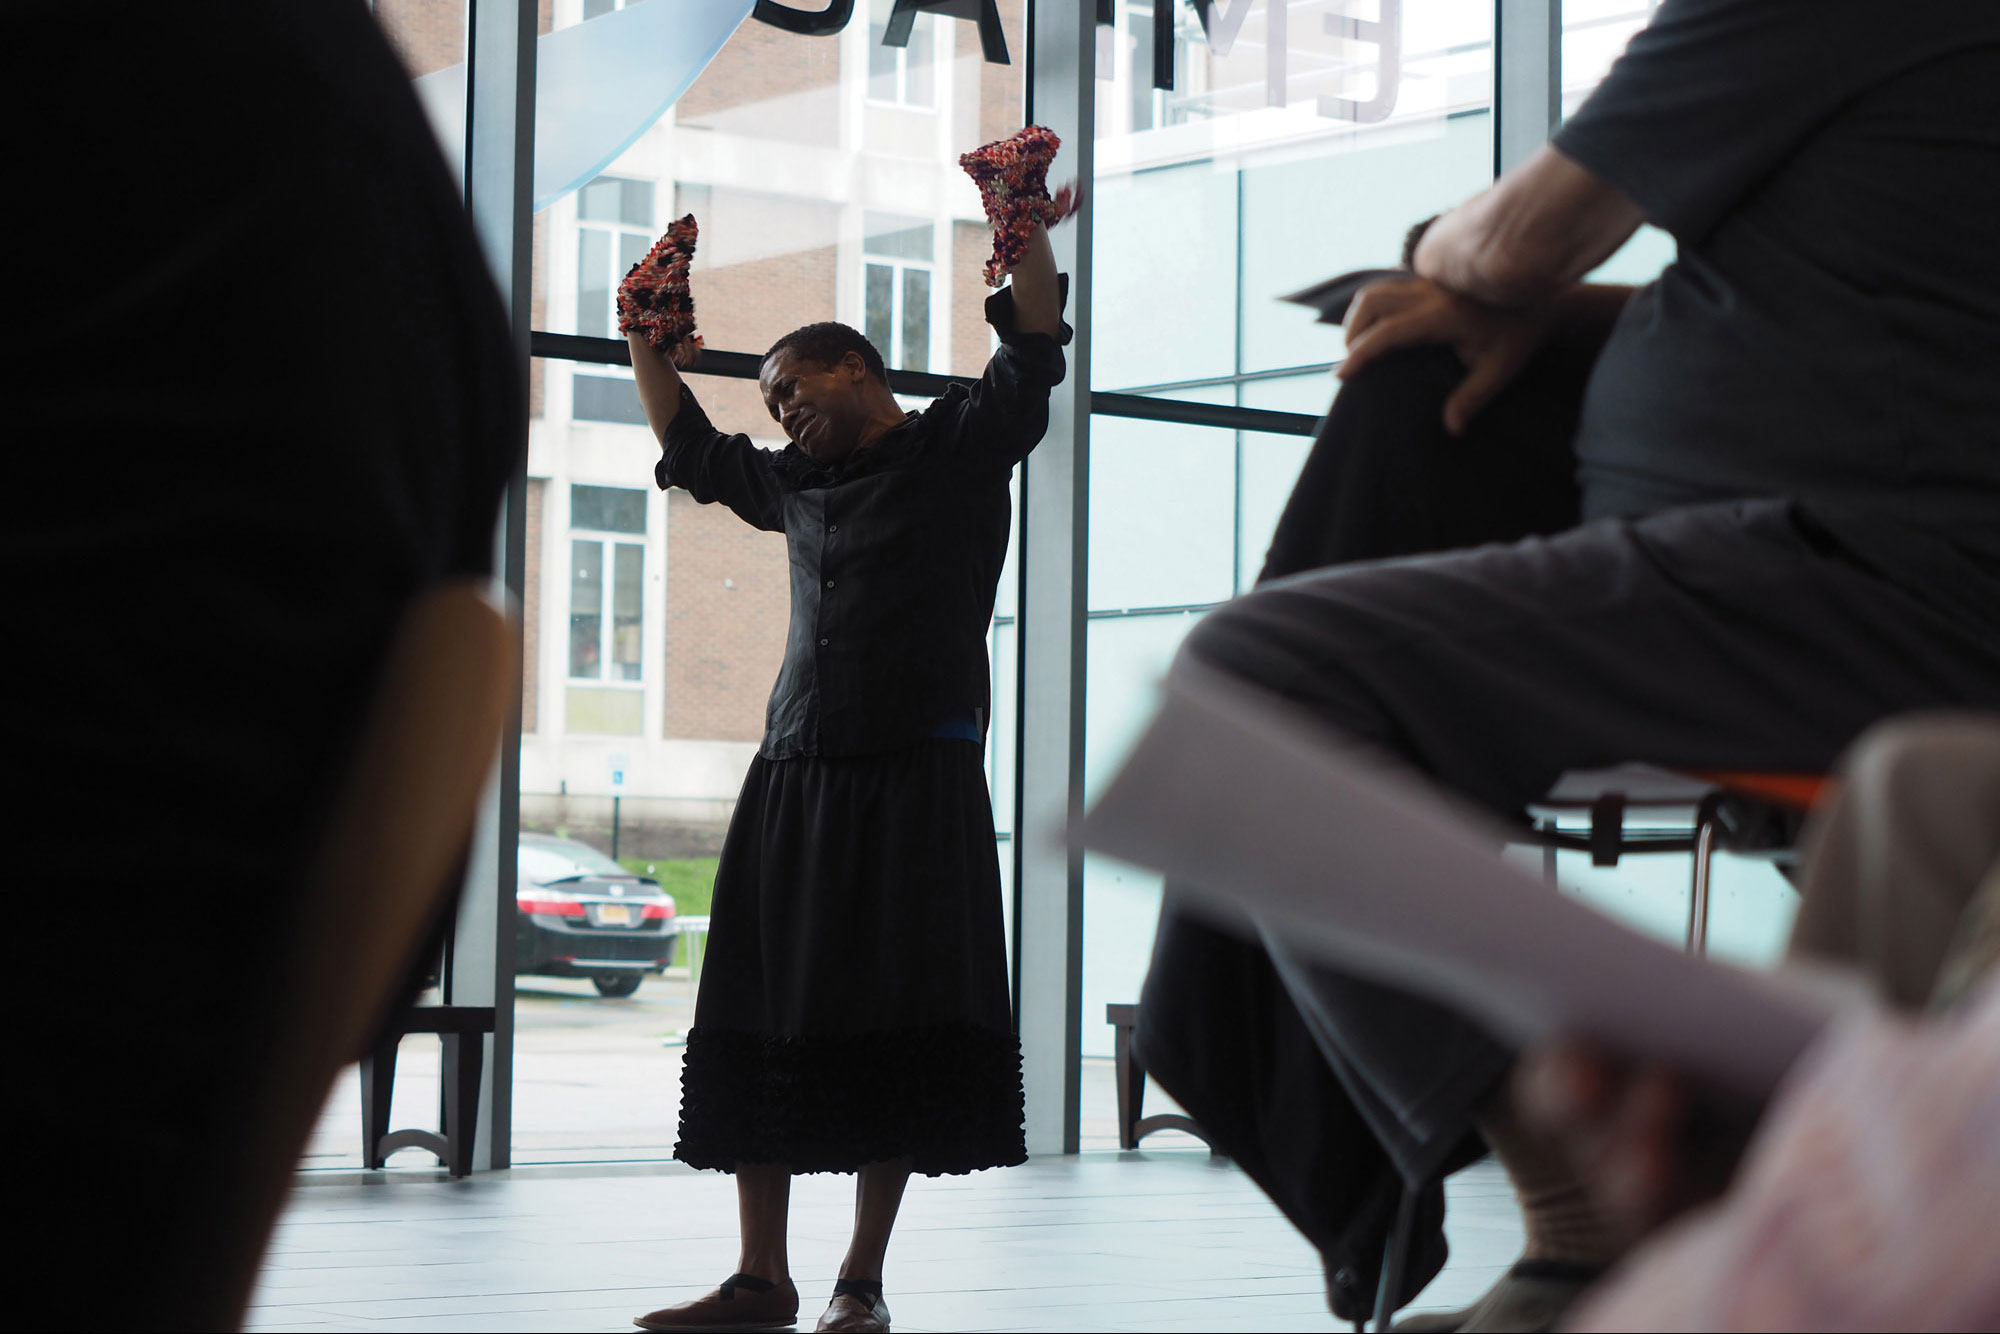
{"x":857,"y":1307}
{"x":744,"y":1301}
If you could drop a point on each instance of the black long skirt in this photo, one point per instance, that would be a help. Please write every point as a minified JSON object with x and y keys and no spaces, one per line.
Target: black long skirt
{"x":853,"y":1004}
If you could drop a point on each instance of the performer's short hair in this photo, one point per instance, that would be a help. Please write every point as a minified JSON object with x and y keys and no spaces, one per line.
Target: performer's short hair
{"x":829,"y":341}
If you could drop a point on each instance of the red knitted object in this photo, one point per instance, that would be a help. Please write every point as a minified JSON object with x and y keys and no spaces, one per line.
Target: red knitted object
{"x":654,"y":299}
{"x":1012,"y":175}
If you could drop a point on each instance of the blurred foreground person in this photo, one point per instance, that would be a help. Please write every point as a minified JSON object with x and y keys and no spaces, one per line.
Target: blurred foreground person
{"x":263,"y":398}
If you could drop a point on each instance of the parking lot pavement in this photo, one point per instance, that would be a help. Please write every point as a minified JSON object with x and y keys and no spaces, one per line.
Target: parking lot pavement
{"x":598,"y":1080}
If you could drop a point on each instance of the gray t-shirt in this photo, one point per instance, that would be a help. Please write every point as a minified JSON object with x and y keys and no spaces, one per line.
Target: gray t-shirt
{"x":1831,"y":328}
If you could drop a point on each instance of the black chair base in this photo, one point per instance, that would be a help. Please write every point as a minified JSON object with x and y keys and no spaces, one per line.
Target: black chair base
{"x":463,"y":1029}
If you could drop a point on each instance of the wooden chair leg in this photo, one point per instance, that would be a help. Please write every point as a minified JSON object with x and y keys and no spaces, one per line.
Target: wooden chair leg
{"x":378,"y":1096}
{"x":453,"y":1111}
{"x":1131,"y":1082}
{"x":464,"y":1058}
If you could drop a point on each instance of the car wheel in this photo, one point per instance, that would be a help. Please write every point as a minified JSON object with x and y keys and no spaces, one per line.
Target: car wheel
{"x":617,"y":984}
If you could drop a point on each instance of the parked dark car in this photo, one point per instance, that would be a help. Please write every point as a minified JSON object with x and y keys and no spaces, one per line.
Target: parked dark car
{"x":583,"y":915}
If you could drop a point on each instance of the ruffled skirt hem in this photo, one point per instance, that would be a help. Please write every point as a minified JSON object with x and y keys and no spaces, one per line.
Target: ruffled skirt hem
{"x":947,"y":1097}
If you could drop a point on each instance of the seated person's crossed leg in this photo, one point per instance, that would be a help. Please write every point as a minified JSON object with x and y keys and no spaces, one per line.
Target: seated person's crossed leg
{"x":1732,"y":635}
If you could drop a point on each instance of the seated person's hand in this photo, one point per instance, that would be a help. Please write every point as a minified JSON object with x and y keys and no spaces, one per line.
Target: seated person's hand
{"x":1649,"y":1142}
{"x":654,"y":300}
{"x":1407,"y":312}
{"x":1012,"y":175}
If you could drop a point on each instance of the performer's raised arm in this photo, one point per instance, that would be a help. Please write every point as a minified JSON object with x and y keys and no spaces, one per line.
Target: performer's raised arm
{"x":1038,"y":299}
{"x":659,"y":383}
{"x":656,"y":315}
{"x":1006,"y":412}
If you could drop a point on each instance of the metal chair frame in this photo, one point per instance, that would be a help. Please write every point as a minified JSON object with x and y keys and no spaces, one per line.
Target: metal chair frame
{"x":1719,"y":816}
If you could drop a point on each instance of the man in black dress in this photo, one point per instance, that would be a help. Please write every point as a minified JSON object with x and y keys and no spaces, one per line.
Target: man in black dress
{"x":854,"y":1012}
{"x":1790,"y":504}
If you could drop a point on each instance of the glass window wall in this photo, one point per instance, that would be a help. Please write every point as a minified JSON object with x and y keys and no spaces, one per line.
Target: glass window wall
{"x":1292,"y":146}
{"x":1594,"y":35}
{"x":823,"y":171}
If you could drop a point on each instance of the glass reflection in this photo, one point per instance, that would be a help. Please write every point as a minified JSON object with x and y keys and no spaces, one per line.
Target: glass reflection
{"x":1595,"y":33}
{"x":1294,"y":144}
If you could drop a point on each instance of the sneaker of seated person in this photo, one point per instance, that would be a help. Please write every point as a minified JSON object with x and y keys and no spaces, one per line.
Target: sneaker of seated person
{"x":744,"y":1301}
{"x":1533,"y":1295}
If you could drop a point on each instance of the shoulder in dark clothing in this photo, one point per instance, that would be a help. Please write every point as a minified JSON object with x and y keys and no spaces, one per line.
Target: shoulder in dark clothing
{"x":712,"y":466}
{"x":1831,"y":171}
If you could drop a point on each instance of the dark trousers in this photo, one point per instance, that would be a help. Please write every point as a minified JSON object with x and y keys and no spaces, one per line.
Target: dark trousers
{"x":1737,"y":634}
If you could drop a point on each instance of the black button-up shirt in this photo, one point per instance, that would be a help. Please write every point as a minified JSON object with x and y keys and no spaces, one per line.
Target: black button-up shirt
{"x":895,"y":551}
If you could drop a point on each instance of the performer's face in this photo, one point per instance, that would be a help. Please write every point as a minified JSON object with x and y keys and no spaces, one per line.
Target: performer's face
{"x":821,"y":408}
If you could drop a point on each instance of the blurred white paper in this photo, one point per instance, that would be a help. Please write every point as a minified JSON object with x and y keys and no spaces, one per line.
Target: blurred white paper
{"x":1240,"y":799}
{"x":599,"y":85}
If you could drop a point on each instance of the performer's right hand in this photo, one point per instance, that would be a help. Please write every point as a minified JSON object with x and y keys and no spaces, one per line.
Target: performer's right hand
{"x":654,"y":300}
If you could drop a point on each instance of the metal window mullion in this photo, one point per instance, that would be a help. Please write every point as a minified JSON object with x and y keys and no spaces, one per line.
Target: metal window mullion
{"x":499,"y":179}
{"x":1050,"y":648}
{"x":1527,"y":78}
{"x":607,"y":607}
{"x":896,"y":302}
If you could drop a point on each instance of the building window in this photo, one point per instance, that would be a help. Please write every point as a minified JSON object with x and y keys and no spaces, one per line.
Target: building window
{"x":614,"y":232}
{"x":607,"y":584}
{"x":896,"y":288}
{"x":604,"y":397}
{"x":903,"y":76}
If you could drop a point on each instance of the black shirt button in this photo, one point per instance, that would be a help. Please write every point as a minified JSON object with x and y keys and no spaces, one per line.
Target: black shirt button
{"x":829,"y":583}
{"x":1345,"y":1278}
{"x":822,"y":643}
{"x":833,"y":528}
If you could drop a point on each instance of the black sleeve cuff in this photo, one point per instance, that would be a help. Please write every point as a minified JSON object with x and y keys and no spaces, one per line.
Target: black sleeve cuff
{"x":1001,"y":315}
{"x":688,"y":423}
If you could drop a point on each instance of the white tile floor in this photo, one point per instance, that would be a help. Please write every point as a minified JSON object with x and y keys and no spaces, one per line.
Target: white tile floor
{"x":1156,"y":1240}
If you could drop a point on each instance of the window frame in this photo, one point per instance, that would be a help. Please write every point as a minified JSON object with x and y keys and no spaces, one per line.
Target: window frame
{"x":924,"y":29}
{"x":899,"y":269}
